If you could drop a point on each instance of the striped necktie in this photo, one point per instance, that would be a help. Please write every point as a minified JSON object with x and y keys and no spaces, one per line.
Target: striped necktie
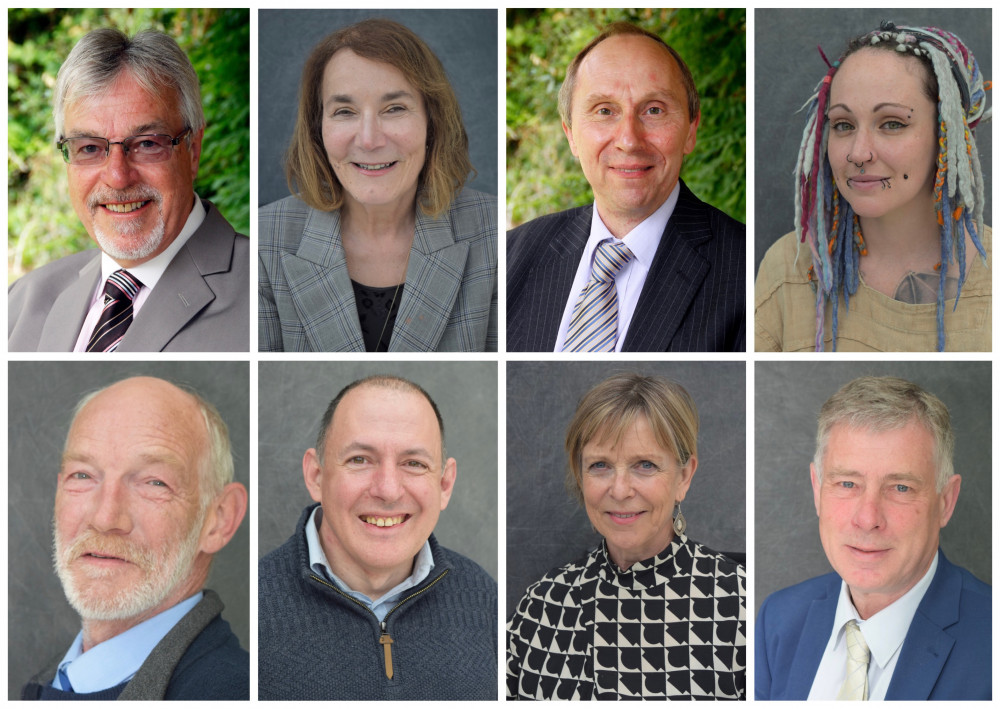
{"x":855,"y":684}
{"x":119,"y":294}
{"x":593,"y":326}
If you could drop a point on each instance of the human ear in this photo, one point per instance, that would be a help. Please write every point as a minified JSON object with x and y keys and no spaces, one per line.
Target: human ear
{"x":223,"y":518}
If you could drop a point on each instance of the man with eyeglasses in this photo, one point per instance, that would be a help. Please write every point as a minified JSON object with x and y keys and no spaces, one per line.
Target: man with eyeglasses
{"x":171,"y":273}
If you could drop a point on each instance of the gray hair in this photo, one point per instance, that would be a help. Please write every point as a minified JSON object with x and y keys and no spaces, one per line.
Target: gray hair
{"x":217,"y":466}
{"x":880,"y":404}
{"x":152,"y":58}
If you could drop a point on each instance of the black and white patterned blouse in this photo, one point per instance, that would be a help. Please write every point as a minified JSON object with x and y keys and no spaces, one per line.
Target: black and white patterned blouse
{"x":670,"y":627}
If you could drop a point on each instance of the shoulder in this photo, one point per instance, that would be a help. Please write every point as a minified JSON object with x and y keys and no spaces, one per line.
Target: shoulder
{"x":281,"y":223}
{"x":556,"y":584}
{"x":473,"y":217}
{"x":976,"y":596}
{"x":55,"y":272}
{"x":213,"y":667}
{"x":730,"y":575}
{"x":549,"y":223}
{"x":721,"y":224}
{"x":786,"y":261}
{"x":790,"y":605}
{"x":473,"y":574}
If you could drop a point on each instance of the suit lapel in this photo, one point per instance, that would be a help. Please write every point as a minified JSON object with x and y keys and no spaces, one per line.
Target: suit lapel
{"x":812,"y":643}
{"x":674,"y":279}
{"x":556,"y":270}
{"x":433,"y":279}
{"x":65,"y":318}
{"x":182,"y":293}
{"x":320,"y":287}
{"x":927,"y":645}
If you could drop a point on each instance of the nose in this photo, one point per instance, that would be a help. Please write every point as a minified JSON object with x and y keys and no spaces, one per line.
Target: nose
{"x":868,"y":515}
{"x":111,"y":513}
{"x":629,"y":134}
{"x":862,"y":150}
{"x":387,"y":483}
{"x":621,"y":485}
{"x":118,"y":172}
{"x":371,"y":136}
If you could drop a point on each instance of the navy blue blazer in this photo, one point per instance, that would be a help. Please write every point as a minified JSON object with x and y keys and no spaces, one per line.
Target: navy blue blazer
{"x":693,"y":300}
{"x":946,"y":654}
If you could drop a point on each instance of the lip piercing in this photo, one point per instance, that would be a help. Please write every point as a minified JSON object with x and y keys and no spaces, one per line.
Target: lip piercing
{"x":886,"y":183}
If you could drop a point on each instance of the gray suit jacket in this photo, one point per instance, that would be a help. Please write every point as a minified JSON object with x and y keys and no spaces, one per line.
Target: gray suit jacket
{"x":200,"y":304}
{"x":449,"y":301}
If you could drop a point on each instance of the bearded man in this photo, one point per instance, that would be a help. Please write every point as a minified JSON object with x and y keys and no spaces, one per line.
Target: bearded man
{"x":171,"y":273}
{"x":144,"y":499}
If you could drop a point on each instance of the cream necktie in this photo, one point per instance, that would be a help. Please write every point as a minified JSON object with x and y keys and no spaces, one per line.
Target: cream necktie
{"x":855,"y":686}
{"x":593,"y":326}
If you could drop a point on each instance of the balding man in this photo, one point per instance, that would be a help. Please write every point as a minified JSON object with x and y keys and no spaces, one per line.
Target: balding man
{"x":144,"y":499}
{"x":362,"y":603}
{"x":648,"y":267}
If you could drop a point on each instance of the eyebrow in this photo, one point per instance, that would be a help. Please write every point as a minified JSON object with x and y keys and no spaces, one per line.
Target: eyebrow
{"x":657,"y":94}
{"x":347,"y":98}
{"x":878,"y":107}
{"x":144,"y":129}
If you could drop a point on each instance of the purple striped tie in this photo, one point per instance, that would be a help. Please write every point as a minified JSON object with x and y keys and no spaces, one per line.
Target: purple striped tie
{"x":119,"y":293}
{"x":593,"y":327}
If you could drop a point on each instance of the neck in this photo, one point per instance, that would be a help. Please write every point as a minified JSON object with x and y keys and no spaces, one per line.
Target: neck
{"x":910,"y":233}
{"x":621,"y":223}
{"x":378,"y":223}
{"x":868,"y":604}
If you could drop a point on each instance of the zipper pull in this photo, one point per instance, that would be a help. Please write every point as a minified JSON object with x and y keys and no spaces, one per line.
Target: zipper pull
{"x":386,"y":642}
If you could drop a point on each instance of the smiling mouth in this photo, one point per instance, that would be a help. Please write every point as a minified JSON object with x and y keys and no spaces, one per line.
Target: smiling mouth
{"x":384,"y":521}
{"x":371,"y":167}
{"x":126,"y":207}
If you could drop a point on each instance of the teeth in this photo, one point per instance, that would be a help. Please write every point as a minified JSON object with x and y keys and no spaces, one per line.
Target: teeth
{"x":377,"y":166}
{"x":123,"y":208}
{"x":623,"y":516}
{"x":384,"y":521}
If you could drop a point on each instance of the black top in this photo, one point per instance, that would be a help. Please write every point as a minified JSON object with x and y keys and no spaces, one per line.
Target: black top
{"x":377,"y":310}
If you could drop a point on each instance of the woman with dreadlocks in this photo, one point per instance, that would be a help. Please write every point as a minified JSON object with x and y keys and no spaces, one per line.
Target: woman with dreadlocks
{"x":889,"y":205}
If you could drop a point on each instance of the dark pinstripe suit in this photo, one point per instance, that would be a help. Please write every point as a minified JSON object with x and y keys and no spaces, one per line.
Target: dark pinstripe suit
{"x":693,"y":300}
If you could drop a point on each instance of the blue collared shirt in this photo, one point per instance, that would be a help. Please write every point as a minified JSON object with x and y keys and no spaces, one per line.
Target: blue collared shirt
{"x":117,"y":659}
{"x":422,"y":565}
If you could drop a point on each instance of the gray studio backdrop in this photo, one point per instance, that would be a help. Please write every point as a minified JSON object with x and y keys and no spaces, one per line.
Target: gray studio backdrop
{"x":41,"y":397}
{"x":788,"y":67}
{"x":292,"y":399}
{"x":464,"y":40}
{"x":788,"y":400}
{"x":546,"y":528}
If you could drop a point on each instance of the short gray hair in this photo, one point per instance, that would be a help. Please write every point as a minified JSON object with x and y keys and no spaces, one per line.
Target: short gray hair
{"x":880,"y":404}
{"x":152,"y":58}
{"x":217,"y":466}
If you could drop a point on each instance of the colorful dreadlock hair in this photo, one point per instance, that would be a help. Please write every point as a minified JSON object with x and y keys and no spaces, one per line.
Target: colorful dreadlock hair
{"x":826,"y":221}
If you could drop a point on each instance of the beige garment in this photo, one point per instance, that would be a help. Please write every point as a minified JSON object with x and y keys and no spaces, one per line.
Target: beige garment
{"x":785,"y":311}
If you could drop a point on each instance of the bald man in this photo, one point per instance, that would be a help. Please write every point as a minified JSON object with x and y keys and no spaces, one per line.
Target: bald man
{"x":144,"y":499}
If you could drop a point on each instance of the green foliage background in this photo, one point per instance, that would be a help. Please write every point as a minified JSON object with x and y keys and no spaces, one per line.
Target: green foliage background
{"x":41,"y":223}
{"x":544,"y":177}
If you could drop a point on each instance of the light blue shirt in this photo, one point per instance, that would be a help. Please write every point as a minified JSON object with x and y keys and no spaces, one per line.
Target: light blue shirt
{"x":422,"y":565}
{"x":884,"y":634}
{"x":118,"y":659}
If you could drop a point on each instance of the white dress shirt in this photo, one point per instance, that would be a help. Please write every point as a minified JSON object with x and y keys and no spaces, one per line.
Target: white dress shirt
{"x":884,"y":633}
{"x":148,"y":273}
{"x":642,"y":241}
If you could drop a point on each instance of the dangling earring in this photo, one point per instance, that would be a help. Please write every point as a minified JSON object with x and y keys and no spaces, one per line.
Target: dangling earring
{"x":680,"y":524}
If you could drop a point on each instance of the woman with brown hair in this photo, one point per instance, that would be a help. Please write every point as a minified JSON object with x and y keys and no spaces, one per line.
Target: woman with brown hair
{"x":380,"y":248}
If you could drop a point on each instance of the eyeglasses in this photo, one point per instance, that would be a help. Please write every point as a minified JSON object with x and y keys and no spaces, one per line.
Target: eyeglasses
{"x":139,"y":149}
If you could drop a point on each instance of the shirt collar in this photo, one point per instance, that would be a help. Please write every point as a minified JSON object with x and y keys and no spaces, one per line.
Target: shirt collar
{"x":885,"y":631}
{"x":150,"y":272}
{"x":423,"y":563}
{"x":644,"y":238}
{"x":117,"y":659}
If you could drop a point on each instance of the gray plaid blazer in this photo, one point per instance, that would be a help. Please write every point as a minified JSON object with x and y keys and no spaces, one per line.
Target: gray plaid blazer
{"x":449,"y":302}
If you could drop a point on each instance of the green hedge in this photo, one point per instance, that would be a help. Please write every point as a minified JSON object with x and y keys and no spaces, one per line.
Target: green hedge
{"x":41,"y":223}
{"x":543,"y":176}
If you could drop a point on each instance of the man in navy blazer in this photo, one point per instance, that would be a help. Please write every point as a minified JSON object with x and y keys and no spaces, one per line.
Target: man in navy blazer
{"x":883,"y":486}
{"x":630,"y":111}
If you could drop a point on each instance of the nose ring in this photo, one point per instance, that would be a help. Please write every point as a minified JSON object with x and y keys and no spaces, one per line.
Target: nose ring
{"x":861,"y":165}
